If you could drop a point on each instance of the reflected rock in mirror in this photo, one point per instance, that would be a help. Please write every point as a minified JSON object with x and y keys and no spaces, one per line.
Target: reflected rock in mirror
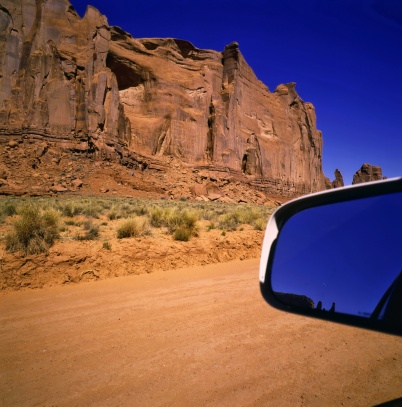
{"x":343,"y":257}
{"x":295,"y":300}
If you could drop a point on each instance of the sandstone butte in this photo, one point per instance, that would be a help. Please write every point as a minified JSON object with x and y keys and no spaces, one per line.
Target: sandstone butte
{"x":132,"y":115}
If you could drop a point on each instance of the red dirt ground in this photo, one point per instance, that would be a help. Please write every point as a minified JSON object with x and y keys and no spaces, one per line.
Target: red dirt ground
{"x":200,"y":336}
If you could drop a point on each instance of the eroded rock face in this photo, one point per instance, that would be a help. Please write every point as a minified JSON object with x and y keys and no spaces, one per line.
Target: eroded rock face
{"x":83,"y":86}
{"x":54,"y":81}
{"x":368,"y":173}
{"x":208,"y":108}
{"x":338,"y":181}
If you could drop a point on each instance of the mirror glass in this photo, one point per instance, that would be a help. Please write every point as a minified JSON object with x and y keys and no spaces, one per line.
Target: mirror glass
{"x":343,"y":257}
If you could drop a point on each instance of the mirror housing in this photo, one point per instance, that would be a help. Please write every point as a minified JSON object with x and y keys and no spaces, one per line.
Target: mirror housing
{"x":337,"y":255}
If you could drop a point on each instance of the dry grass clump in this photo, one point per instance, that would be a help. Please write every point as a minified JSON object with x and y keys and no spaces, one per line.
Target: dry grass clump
{"x":182,"y":224}
{"x":231,"y":217}
{"x":134,"y":227}
{"x":90,"y":207}
{"x":260,"y":224}
{"x":69,"y":209}
{"x":229,"y":221}
{"x":113,"y":214}
{"x":158,"y":216}
{"x":91,"y":231}
{"x":139,"y":209}
{"x":244,"y":215}
{"x":107,"y":245}
{"x":120,"y":210}
{"x":182,"y":233}
{"x":35,"y":230}
{"x":7,"y":208}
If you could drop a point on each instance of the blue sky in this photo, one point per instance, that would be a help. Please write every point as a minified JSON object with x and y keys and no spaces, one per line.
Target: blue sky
{"x":344,"y":55}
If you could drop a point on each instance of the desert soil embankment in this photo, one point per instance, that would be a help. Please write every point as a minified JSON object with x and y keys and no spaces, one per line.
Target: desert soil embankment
{"x":51,"y":241}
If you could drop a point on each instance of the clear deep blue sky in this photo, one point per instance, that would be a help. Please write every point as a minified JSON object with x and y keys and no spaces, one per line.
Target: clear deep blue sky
{"x":344,"y":55}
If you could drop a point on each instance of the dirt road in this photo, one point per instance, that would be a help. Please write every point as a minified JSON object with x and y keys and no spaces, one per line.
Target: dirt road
{"x":201,"y":337}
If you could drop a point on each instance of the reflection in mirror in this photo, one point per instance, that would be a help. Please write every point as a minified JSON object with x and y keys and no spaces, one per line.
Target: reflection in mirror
{"x":343,"y":257}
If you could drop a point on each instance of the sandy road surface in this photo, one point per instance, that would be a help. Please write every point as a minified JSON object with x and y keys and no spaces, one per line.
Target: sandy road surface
{"x":200,"y":337}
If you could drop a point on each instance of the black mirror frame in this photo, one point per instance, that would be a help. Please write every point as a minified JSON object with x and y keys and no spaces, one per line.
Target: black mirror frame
{"x":285,"y":212}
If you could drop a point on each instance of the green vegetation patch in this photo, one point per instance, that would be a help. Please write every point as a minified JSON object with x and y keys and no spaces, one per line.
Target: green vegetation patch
{"x":35,"y":220}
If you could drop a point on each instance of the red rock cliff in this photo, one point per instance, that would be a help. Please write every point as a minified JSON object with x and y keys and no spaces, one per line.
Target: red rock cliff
{"x":85,"y":86}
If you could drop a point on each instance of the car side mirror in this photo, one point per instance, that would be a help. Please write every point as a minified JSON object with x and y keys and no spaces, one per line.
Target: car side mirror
{"x":337,"y":255}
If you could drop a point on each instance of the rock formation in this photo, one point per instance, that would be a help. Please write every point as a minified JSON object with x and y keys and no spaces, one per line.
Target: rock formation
{"x":54,"y":81}
{"x":368,"y":173}
{"x":79,"y":86}
{"x":338,"y":181}
{"x":295,"y":300}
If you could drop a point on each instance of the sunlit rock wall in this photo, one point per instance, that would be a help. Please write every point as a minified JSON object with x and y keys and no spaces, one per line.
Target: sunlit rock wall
{"x":91,"y":88}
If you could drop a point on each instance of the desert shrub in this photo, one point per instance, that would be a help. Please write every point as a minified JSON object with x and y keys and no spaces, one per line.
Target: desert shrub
{"x":86,"y":225}
{"x":244,"y":215}
{"x":113,"y":214}
{"x":211,"y":226}
{"x":35,"y":230}
{"x":182,"y":233}
{"x":69,"y":209}
{"x":134,"y":227}
{"x":174,"y":216}
{"x":124,"y":214}
{"x":92,"y":210}
{"x":140,"y":210}
{"x":90,"y":207}
{"x":104,"y":204}
{"x":91,"y":231}
{"x":158,"y":217}
{"x":247,"y":215}
{"x":260,"y":224}
{"x":208,"y":213}
{"x":182,"y":222}
{"x":229,"y":221}
{"x":9,"y":209}
{"x":220,"y":210}
{"x":107,"y":245}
